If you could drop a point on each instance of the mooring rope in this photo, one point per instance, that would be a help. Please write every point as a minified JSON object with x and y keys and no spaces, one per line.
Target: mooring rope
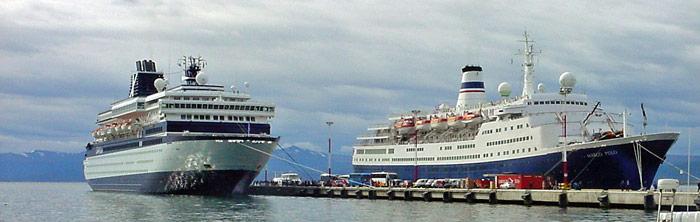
{"x":300,"y":165}
{"x":663,"y":160}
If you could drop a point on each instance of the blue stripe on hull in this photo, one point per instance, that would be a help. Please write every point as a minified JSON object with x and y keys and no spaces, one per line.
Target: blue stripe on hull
{"x":602,"y":168}
{"x":214,"y":182}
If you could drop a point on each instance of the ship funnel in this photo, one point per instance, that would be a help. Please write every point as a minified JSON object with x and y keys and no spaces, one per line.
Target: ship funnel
{"x":471,"y":92}
{"x":143,"y":81}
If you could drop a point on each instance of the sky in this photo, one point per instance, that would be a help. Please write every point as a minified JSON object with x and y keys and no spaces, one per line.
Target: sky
{"x":350,"y":62}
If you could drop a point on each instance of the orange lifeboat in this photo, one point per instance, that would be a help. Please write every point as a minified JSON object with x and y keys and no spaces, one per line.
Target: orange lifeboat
{"x":423,"y":125}
{"x":438,"y":123}
{"x":405,"y":126}
{"x":455,"y":121}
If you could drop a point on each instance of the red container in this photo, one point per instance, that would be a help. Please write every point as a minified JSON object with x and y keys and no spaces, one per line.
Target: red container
{"x":521,"y":181}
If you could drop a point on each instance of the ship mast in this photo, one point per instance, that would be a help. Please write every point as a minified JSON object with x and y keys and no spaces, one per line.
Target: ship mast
{"x":528,"y":66}
{"x":193,"y":67}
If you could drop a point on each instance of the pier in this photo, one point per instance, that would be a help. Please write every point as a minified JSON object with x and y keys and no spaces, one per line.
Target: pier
{"x":645,"y":200}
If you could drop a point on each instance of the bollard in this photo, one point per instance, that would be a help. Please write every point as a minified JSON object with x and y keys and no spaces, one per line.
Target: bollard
{"x":492,"y":197}
{"x":470,"y":197}
{"x":563,"y":199}
{"x":343,"y":193}
{"x":329,"y":193}
{"x":446,"y":196}
{"x":427,"y":196}
{"x":358,"y":194}
{"x":527,"y":198}
{"x":604,"y":200}
{"x":372,"y":194}
{"x":407,"y":195}
{"x":649,"y":205}
{"x":390,"y":194}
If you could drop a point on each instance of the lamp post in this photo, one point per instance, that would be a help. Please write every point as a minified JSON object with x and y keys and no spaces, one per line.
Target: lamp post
{"x":415,"y":148}
{"x":330,"y":151}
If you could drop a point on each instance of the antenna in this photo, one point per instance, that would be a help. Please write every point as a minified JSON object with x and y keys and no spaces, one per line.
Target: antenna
{"x":192,"y":67}
{"x":528,"y":54}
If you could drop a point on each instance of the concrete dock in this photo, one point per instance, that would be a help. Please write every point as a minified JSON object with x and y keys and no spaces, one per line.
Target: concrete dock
{"x":563,"y":198}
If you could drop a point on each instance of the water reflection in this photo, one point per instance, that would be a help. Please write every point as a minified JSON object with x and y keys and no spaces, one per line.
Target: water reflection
{"x":134,"y":207}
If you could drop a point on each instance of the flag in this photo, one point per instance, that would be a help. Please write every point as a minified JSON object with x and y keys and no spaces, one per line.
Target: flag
{"x":644,"y":116}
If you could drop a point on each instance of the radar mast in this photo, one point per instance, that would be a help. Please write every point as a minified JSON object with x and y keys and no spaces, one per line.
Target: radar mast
{"x":528,"y":66}
{"x":192,"y":67}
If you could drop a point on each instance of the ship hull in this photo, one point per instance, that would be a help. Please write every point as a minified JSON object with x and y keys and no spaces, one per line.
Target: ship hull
{"x":602,"y":165}
{"x":200,"y":166}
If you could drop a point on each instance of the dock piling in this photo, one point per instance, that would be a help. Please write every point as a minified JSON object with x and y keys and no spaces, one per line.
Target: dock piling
{"x":492,"y":197}
{"x":563,"y":199}
{"x":470,"y":197}
{"x":372,"y":194}
{"x":343,"y":193}
{"x":527,"y":198}
{"x":358,"y":194}
{"x":407,"y":195}
{"x":649,"y":204}
{"x":604,"y":200}
{"x":390,"y":194}
{"x":427,"y":196}
{"x":446,"y":197}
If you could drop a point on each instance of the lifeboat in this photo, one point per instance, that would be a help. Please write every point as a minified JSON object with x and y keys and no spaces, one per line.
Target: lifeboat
{"x":405,"y":126}
{"x":455,"y":121}
{"x":438,"y":123}
{"x":423,"y":125}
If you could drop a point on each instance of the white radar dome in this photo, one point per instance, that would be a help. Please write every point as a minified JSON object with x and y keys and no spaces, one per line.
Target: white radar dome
{"x":201,"y":79}
{"x":567,"y":80}
{"x":540,"y":87}
{"x":160,"y":84}
{"x":246,"y":84}
{"x":504,"y":89}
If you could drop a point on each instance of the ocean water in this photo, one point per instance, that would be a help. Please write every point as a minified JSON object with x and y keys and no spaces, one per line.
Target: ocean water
{"x":76,"y":202}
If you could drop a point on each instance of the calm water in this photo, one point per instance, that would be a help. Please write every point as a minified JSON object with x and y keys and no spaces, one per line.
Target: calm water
{"x":75,"y":202}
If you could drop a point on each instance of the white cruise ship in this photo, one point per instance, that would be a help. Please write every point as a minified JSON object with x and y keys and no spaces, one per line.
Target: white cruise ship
{"x":563,"y":135}
{"x":194,"y":138}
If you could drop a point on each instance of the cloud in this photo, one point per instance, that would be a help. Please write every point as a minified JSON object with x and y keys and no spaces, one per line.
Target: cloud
{"x":353,"y":63}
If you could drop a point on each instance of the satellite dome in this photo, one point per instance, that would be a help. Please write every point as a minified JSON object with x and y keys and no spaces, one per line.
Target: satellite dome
{"x":160,"y":84}
{"x":540,"y":88}
{"x":567,"y":80}
{"x":246,"y":84}
{"x":504,"y":89}
{"x":201,"y":79}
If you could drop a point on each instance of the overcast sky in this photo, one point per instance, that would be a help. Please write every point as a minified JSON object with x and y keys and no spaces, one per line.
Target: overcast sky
{"x":348,"y":62}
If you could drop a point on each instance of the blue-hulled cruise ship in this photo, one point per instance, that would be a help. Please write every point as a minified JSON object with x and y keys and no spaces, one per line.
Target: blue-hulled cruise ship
{"x":563,"y":135}
{"x":193,"y":138}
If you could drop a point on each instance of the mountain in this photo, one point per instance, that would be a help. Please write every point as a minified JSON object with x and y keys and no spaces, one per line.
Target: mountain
{"x":41,"y":166}
{"x":342,"y":164}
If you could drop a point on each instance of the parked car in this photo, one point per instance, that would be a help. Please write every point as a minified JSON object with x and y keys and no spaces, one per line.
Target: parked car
{"x":420,"y":183}
{"x":454,"y":183}
{"x":438,"y":183}
{"x":428,"y":183}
